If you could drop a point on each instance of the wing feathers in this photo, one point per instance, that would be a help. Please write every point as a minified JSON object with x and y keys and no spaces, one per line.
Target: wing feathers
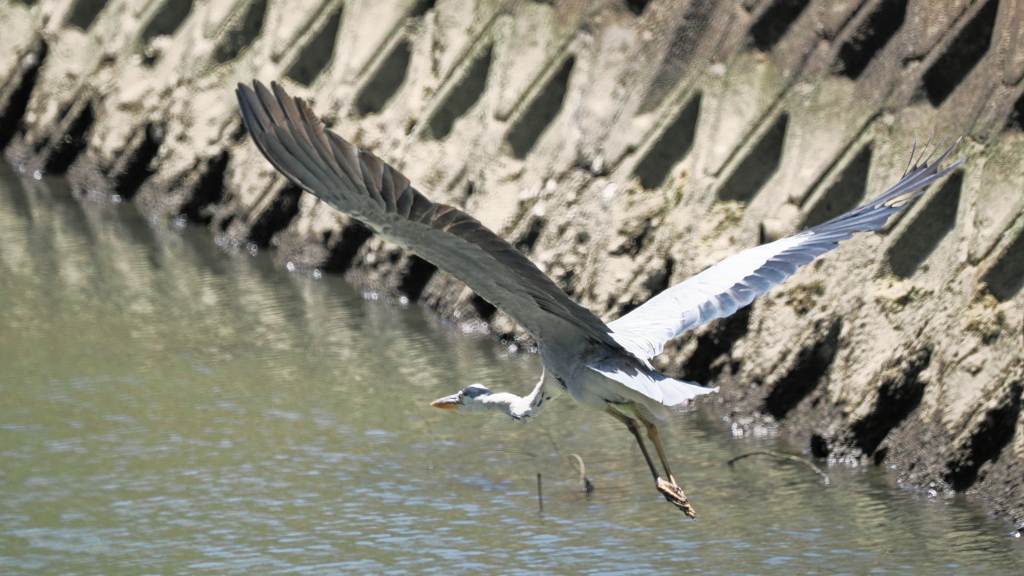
{"x":360,"y":184}
{"x":655,"y":389}
{"x":345,"y":158}
{"x":733,"y":283}
{"x":404,"y":198}
{"x":421,"y":210}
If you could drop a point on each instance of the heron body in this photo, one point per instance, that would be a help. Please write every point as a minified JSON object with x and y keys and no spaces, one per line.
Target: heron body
{"x":605,"y":366}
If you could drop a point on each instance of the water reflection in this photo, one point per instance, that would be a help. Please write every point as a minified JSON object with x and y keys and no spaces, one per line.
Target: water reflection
{"x":167,"y":408}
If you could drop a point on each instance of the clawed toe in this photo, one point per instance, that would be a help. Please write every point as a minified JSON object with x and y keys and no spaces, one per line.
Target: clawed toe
{"x":674,"y":494}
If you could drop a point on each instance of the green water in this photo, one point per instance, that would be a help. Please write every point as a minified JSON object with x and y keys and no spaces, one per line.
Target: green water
{"x":169,"y":408}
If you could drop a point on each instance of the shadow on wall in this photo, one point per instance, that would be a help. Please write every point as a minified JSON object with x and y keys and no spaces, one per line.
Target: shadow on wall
{"x":871,"y":36}
{"x":963,"y":54}
{"x":317,"y":54}
{"x":165,"y":22}
{"x":542,"y":111}
{"x":385,"y":82}
{"x":775,"y":22}
{"x":673,"y":145}
{"x":243,"y":33}
{"x":1006,"y":277}
{"x":846,"y":193}
{"x":931,"y":224}
{"x":462,"y":97}
{"x":84,"y":13}
{"x":759,"y":166}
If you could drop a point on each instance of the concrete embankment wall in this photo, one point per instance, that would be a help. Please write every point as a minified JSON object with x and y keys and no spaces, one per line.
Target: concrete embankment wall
{"x":623,"y":145}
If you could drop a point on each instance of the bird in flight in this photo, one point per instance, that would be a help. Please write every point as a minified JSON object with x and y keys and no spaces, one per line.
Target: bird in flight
{"x":605,"y":366}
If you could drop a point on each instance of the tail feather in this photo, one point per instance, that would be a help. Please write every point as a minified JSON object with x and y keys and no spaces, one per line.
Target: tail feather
{"x":654,"y":389}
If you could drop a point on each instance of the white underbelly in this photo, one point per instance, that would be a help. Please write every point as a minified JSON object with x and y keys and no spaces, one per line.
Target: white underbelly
{"x":593,"y":390}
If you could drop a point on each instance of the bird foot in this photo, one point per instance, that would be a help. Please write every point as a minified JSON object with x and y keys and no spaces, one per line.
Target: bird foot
{"x":674,"y":494}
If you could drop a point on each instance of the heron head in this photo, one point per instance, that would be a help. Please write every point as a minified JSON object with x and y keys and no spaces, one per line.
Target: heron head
{"x":469,"y":398}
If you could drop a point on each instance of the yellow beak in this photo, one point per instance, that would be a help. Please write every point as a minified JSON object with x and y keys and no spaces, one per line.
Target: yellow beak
{"x":447,"y":403}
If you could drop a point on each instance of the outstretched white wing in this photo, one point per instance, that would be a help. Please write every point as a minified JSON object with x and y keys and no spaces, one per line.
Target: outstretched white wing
{"x":734,"y":282}
{"x":361,"y":185}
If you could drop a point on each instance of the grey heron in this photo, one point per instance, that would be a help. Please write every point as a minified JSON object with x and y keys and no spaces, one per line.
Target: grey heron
{"x":605,"y":366}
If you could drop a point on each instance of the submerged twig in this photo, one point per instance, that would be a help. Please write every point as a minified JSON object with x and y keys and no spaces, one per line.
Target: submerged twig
{"x":540,"y":495}
{"x":588,"y":484}
{"x":780,"y":455}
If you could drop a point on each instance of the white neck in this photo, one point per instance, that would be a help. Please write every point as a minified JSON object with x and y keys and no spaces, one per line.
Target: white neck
{"x":519,"y":408}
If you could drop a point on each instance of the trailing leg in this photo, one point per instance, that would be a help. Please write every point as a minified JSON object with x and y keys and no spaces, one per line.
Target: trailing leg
{"x":652,"y":433}
{"x":635,"y":430}
{"x":670,"y":490}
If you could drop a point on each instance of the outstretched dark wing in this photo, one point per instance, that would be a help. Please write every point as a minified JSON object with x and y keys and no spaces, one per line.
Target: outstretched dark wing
{"x":734,"y":282}
{"x":361,"y":185}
